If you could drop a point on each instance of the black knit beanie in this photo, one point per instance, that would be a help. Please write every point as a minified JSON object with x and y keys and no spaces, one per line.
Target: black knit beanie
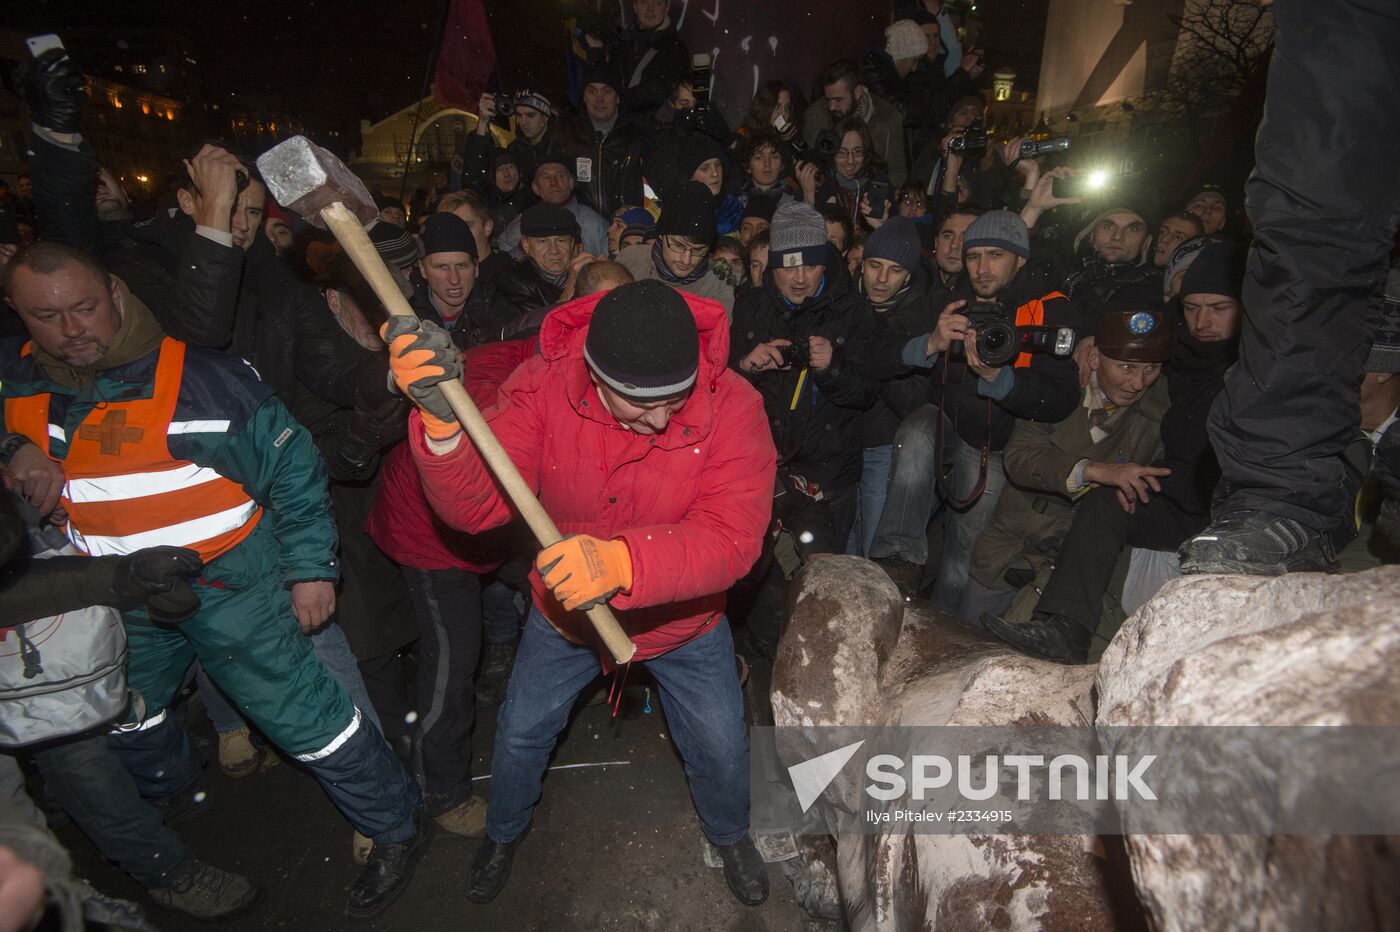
{"x":642,"y":341}
{"x":690,"y":213}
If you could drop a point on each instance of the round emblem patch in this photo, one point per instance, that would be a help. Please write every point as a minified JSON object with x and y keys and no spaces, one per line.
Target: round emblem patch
{"x":1143,"y":322}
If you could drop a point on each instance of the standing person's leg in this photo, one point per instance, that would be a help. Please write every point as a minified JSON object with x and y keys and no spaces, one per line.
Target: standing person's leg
{"x":912,"y":492}
{"x":500,"y":626}
{"x":97,"y":792}
{"x":333,"y":650}
{"x":876,"y":463}
{"x":447,"y":605}
{"x":388,"y":691}
{"x":550,"y":672}
{"x":963,"y":525}
{"x":1324,"y":200}
{"x":239,"y":756}
{"x":1084,"y":564}
{"x":704,"y":708}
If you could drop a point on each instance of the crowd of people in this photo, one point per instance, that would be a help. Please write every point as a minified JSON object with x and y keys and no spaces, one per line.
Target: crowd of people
{"x":843,"y":326}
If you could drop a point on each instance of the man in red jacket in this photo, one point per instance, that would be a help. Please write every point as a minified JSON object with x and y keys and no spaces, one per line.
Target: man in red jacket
{"x":656,"y":461}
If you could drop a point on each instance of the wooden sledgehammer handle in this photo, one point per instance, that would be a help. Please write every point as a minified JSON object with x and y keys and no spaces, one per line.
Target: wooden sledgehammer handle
{"x":356,"y":243}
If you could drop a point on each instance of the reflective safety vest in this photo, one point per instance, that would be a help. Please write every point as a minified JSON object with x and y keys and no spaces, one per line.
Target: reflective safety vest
{"x":124,"y":490}
{"x":1032,"y":314}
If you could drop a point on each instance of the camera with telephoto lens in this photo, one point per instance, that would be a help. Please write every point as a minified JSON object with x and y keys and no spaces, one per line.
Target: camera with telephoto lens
{"x":1034,"y":149}
{"x":973,"y":140}
{"x":797,"y":354}
{"x":821,"y":153}
{"x":999,"y":340}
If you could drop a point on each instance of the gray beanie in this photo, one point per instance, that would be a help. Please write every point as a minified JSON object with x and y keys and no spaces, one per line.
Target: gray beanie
{"x":999,"y":228}
{"x":797,"y":236}
{"x":896,"y":240}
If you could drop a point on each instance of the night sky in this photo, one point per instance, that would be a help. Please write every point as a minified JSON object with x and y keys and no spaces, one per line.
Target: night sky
{"x":332,"y":62}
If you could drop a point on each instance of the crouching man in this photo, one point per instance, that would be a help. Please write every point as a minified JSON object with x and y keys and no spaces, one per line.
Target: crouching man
{"x":162,"y":443}
{"x":655,"y":460}
{"x":1050,"y":466}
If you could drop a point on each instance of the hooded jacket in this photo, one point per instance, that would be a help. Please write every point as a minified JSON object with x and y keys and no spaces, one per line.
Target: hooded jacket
{"x":692,"y":503}
{"x":908,"y":314}
{"x":817,"y":430}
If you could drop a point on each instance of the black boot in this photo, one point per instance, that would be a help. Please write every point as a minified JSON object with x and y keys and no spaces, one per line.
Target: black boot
{"x":1051,"y":637}
{"x":389,"y":871}
{"x":1258,"y":544}
{"x":496,"y":663}
{"x":744,"y":871}
{"x":490,"y":869}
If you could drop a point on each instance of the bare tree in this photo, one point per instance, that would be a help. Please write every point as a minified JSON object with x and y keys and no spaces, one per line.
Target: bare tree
{"x":1220,"y":44}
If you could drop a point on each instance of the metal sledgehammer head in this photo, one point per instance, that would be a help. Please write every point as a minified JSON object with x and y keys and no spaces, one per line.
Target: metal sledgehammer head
{"x":305,"y":178}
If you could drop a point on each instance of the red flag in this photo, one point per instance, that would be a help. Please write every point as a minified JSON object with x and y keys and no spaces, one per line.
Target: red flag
{"x":467,"y":56}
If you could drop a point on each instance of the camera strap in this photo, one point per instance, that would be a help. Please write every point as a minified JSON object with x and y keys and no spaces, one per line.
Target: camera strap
{"x":945,"y":485}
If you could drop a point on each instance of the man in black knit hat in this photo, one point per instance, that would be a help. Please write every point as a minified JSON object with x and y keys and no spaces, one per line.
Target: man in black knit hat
{"x":655,"y":460}
{"x":680,"y":256}
{"x":446,"y":286}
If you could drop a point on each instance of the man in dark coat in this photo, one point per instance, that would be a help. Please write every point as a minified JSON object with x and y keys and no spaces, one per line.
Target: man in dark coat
{"x":602,"y":144}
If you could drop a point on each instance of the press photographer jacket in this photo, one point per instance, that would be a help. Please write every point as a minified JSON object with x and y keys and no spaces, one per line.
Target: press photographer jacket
{"x":1041,"y":388}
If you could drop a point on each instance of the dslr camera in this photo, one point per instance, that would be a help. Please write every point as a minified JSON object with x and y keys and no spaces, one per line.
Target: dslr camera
{"x":821,"y":153}
{"x":972,"y":142}
{"x":797,"y":354}
{"x":1000,"y":340}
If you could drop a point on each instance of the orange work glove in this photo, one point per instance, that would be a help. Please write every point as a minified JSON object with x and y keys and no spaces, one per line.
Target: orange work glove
{"x":422,"y":356}
{"x":583,"y":571}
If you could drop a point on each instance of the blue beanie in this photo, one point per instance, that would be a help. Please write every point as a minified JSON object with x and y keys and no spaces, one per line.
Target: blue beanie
{"x":896,"y":240}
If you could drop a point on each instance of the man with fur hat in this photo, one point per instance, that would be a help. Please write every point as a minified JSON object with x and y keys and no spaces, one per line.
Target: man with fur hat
{"x":680,"y":256}
{"x":655,"y":459}
{"x":1109,"y":441}
{"x":1177,"y":505}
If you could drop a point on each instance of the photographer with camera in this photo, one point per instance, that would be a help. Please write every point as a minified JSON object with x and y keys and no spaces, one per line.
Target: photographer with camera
{"x":856,"y":183}
{"x":845,"y":95}
{"x":535,"y":140}
{"x":799,"y":339}
{"x":997,"y":356}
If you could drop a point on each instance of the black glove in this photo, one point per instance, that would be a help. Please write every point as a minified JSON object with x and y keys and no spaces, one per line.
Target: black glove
{"x":52,"y":87}
{"x":370,"y":432}
{"x":156,"y":576}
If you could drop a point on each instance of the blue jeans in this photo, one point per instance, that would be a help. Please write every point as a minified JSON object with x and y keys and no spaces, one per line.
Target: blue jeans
{"x":914,"y":495}
{"x":91,"y":784}
{"x":332,"y":649}
{"x":699,"y":690}
{"x":875,"y":468}
{"x":500,"y":613}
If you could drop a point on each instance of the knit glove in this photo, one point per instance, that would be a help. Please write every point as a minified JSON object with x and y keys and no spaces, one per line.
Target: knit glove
{"x":156,"y":576}
{"x":52,"y":87}
{"x":422,"y":356}
{"x":583,"y":571}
